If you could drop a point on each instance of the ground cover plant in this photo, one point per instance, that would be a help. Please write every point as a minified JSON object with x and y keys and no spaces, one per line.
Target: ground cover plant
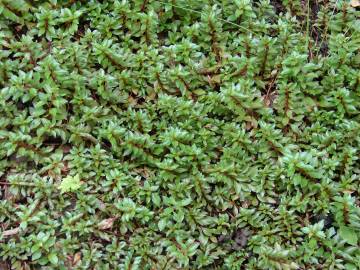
{"x":182,"y":134}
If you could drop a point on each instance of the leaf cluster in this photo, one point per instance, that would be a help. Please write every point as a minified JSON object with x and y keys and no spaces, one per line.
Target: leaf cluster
{"x":199,"y":134}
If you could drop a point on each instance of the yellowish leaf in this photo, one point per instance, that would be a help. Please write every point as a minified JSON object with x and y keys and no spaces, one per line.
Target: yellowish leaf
{"x":70,"y":183}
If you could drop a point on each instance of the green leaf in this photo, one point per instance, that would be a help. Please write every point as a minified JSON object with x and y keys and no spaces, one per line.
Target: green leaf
{"x":349,"y":235}
{"x":350,"y":266}
{"x":36,"y":256}
{"x":35,"y":248}
{"x":156,"y":199}
{"x":70,"y":183}
{"x":162,"y":224}
{"x":53,"y":258}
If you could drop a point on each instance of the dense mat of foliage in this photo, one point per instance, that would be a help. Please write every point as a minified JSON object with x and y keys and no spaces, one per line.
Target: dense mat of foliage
{"x":183,"y":134}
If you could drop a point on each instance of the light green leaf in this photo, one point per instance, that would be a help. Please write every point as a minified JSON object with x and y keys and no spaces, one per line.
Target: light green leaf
{"x":36,"y":255}
{"x":70,"y":183}
{"x":349,"y":235}
{"x":53,"y":258}
{"x":350,"y":266}
{"x":162,"y":224}
{"x":156,"y":199}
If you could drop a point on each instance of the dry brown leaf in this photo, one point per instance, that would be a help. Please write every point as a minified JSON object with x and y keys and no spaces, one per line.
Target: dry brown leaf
{"x":11,"y":232}
{"x":143,"y":172}
{"x":132,"y":100}
{"x":152,"y":95}
{"x":355,"y":3}
{"x":106,"y":223}
{"x":77,"y":258}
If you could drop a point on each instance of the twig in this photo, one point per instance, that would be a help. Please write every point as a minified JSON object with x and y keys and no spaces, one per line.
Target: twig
{"x":327,"y":26}
{"x":18,"y":184}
